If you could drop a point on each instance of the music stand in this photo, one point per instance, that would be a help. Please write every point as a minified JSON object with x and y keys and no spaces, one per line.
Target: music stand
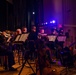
{"x":20,"y":39}
{"x":26,"y":60}
{"x":23,"y":38}
{"x":17,"y":38}
{"x":61,"y":38}
{"x":52,"y":38}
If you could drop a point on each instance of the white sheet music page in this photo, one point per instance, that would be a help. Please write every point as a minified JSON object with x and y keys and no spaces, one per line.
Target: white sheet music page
{"x":23,"y":37}
{"x":52,"y":38}
{"x":61,"y":38}
{"x":17,"y":38}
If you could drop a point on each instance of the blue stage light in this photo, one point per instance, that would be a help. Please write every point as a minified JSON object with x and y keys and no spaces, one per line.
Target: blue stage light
{"x":46,"y":23}
{"x":53,"y":21}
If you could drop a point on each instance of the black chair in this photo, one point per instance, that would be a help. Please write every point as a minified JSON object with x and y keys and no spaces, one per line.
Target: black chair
{"x":66,"y":59}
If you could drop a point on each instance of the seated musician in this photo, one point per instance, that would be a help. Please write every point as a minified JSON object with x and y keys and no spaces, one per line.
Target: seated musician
{"x":24,"y":31}
{"x":42,"y":35}
{"x":15,"y":34}
{"x":13,"y":37}
{"x":61,"y":34}
{"x":54,"y":32}
{"x":33,"y":34}
{"x":6,"y":51}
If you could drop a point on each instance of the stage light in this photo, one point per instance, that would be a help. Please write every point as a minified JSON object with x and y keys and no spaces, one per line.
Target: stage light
{"x":46,"y":23}
{"x":33,"y":13}
{"x":53,"y":21}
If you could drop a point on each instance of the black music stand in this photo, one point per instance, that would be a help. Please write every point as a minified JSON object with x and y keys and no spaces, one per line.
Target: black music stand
{"x":52,"y":38}
{"x":60,"y":41}
{"x":20,"y":39}
{"x":23,"y":38}
{"x":65,"y":57}
{"x":26,"y":60}
{"x":61,"y":38}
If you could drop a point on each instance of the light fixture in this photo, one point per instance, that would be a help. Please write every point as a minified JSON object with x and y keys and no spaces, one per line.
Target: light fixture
{"x":33,"y":13}
{"x":53,"y":21}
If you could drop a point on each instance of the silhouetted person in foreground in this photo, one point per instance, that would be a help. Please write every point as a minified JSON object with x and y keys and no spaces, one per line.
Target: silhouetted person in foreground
{"x":5,"y":51}
{"x":32,"y":37}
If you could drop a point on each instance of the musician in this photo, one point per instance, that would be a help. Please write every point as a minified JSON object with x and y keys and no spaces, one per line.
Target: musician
{"x":33,"y":34}
{"x":61,"y":32}
{"x":54,"y":32}
{"x":32,"y":37}
{"x":42,"y":35}
{"x":24,"y":30}
{"x":13,"y":37}
{"x":5,"y":51}
{"x":15,"y":34}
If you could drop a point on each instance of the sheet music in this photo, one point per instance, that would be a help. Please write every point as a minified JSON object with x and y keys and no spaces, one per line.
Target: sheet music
{"x":23,"y":37}
{"x":52,"y":38}
{"x":61,"y":38}
{"x":17,"y":38}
